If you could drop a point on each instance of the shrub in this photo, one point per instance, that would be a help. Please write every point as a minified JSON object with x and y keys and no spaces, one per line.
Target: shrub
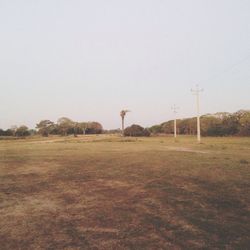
{"x":136,"y":130}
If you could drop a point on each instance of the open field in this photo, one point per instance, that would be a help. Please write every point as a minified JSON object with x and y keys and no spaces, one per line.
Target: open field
{"x":107,"y":192}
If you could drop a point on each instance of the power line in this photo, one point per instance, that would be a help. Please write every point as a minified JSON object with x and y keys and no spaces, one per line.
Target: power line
{"x":228,"y":69}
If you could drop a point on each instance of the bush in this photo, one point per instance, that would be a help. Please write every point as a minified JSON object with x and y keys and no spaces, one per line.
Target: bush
{"x":136,"y":130}
{"x":94,"y":128}
{"x":22,"y":131}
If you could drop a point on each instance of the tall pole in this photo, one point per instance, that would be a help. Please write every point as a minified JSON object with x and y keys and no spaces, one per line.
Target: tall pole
{"x":174,"y":108}
{"x":196,"y":92}
{"x":123,"y":125}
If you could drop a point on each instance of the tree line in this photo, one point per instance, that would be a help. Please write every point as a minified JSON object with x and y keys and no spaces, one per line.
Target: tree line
{"x":64,"y":126}
{"x":219,"y":124}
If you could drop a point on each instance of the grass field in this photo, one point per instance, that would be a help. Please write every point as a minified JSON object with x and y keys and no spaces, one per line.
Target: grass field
{"x":108,"y":192}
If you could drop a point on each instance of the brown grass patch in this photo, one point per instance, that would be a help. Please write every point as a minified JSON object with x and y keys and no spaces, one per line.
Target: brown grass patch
{"x":115,"y":195}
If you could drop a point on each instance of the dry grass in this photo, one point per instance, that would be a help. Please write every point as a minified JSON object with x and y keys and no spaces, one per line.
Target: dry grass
{"x":107,"y":192}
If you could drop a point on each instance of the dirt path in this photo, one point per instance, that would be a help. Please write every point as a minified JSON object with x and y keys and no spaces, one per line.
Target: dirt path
{"x":183,"y":149}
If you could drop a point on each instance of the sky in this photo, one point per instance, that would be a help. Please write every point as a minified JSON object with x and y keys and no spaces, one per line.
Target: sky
{"x":87,"y":60}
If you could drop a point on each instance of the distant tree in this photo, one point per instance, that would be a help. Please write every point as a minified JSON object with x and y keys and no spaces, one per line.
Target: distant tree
{"x":82,"y":127}
{"x":13,"y":130}
{"x":22,"y":131}
{"x":211,"y":125}
{"x":218,"y":124}
{"x":73,"y":129}
{"x":136,"y":130}
{"x":245,"y":124}
{"x":32,"y":132}
{"x":185,"y":126}
{"x":8,"y":132}
{"x":156,"y":129}
{"x":123,"y":114}
{"x":167,"y":127}
{"x":65,"y":125}
{"x":216,"y":130}
{"x":231,"y":125}
{"x":94,"y":128}
{"x":45,"y":127}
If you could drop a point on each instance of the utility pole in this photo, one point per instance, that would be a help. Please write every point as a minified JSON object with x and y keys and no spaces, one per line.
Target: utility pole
{"x":174,"y":108}
{"x":197,"y":92}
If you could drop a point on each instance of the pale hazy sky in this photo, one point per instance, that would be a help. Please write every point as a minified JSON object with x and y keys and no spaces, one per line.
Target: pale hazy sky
{"x":87,"y":60}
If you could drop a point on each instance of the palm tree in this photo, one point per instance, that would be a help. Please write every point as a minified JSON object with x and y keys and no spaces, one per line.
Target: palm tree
{"x":123,"y":114}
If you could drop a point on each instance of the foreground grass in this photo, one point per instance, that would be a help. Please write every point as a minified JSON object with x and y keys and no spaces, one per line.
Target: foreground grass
{"x":107,"y":192}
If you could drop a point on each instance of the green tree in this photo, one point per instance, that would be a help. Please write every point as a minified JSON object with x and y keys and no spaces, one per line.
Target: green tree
{"x":83,"y":126}
{"x":13,"y":130}
{"x":167,"y":127}
{"x":22,"y":131}
{"x":45,"y":127}
{"x":211,"y":125}
{"x":94,"y":128}
{"x":230,"y":125}
{"x":65,"y":125}
{"x":136,"y":130}
{"x":156,"y":129}
{"x":245,"y":124}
